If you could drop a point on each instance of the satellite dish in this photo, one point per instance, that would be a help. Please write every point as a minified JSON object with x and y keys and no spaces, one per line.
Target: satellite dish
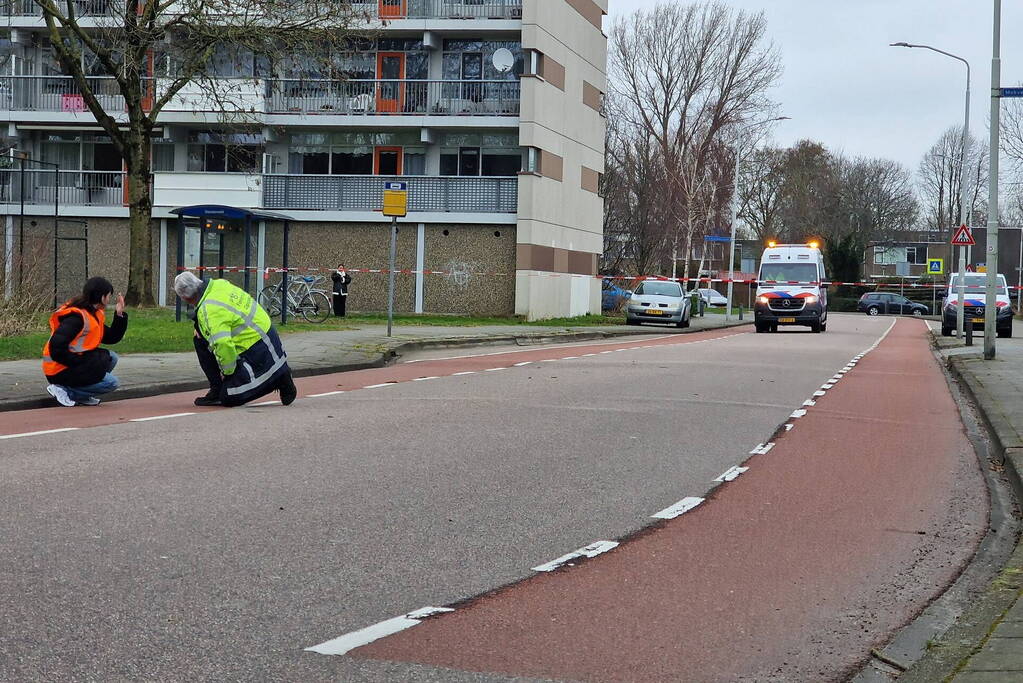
{"x":504,"y":60}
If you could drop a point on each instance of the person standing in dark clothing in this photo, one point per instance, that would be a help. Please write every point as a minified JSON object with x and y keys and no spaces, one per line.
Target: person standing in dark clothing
{"x":77,"y":369}
{"x":341,"y":280}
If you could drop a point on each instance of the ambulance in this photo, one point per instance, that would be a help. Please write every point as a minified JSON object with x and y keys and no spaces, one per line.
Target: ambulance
{"x":790,"y":289}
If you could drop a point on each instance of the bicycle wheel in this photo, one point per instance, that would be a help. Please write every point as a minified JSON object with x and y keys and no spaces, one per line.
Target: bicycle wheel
{"x":315,"y":307}
{"x":270,"y":300}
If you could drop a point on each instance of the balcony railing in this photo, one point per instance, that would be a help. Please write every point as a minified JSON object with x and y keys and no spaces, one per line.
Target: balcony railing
{"x":442,"y":9}
{"x":83,"y":8}
{"x":287,"y":96}
{"x":385,"y":9}
{"x":56,"y":93}
{"x":76,"y":188}
{"x":364,"y":193}
{"x":394,"y":97}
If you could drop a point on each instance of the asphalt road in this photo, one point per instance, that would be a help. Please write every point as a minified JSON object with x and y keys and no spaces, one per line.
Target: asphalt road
{"x":219,"y":544}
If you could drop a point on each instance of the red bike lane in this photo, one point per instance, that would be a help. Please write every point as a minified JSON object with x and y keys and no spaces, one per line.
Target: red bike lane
{"x":859,"y":516}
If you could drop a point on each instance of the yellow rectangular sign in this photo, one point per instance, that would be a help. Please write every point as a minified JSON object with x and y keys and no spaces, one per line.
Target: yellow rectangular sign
{"x":935,"y":266}
{"x":395,"y":199}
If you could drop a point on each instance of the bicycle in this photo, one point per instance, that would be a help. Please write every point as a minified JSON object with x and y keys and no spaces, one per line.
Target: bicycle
{"x":302,"y":299}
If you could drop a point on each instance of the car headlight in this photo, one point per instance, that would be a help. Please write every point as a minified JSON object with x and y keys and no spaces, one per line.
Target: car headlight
{"x":811,"y":299}
{"x":763,"y":300}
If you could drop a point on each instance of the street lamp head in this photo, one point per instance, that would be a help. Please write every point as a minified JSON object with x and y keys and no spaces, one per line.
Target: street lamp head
{"x":899,"y":45}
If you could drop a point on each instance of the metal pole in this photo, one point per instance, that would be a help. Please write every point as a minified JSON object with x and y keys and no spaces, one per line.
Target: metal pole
{"x":731,"y":244}
{"x":284,"y":276}
{"x":1019,"y":276}
{"x":21,"y":227}
{"x":181,"y":264}
{"x":960,"y":311}
{"x":990,"y":308}
{"x":56,"y":229}
{"x":390,"y":274}
{"x":248,"y":239}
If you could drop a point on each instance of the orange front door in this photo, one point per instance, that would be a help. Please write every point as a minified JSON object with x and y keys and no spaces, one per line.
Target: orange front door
{"x":391,"y":90}
{"x":387,"y":161}
{"x":393,"y":9}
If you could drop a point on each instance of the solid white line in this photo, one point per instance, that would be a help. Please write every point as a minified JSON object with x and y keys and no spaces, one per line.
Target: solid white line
{"x":365,"y":636}
{"x":329,"y":393}
{"x":45,"y":431}
{"x":547,"y":347}
{"x":732,"y":473}
{"x":679,"y":508}
{"x":160,"y":417}
{"x":423,"y":379}
{"x":380,"y":386}
{"x":592,"y":550}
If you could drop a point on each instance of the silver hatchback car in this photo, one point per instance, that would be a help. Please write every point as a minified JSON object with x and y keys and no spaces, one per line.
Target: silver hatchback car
{"x":658,"y":301}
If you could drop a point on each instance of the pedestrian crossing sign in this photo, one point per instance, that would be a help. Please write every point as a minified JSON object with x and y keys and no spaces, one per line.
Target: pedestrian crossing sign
{"x":935,"y":266}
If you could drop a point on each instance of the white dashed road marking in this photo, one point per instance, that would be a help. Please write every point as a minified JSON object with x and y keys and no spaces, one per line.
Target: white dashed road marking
{"x":679,"y":508}
{"x":592,"y":550}
{"x":39,"y":433}
{"x":160,"y":417}
{"x":350,"y":641}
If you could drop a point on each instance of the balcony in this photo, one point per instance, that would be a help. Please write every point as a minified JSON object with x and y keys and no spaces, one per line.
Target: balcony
{"x":393,"y":97}
{"x":282,"y":96}
{"x":56,"y":93}
{"x":441,"y":9}
{"x":364,"y":193}
{"x":76,"y":188}
{"x":384,"y":9}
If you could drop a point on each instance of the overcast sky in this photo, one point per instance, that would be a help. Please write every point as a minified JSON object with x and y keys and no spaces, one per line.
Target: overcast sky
{"x":844,"y":86}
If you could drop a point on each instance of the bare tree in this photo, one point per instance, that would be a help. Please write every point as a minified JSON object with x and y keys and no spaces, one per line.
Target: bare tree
{"x":634,"y":211}
{"x":185,"y":36}
{"x":941,"y":175}
{"x":685,"y":72}
{"x":761,"y":178}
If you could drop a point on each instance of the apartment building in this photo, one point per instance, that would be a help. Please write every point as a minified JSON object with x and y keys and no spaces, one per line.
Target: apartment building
{"x":490,"y":110}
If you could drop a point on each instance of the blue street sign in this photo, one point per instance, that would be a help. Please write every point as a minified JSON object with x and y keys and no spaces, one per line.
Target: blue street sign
{"x":1012,"y":92}
{"x":715,"y":238}
{"x":396,"y":187}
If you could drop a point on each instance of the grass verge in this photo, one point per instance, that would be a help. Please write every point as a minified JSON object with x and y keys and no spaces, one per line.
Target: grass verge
{"x":153,"y":330}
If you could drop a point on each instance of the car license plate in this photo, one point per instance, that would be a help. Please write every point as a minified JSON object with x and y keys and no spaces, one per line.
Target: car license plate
{"x":654,"y":311}
{"x":786,"y":320}
{"x":978,"y":321}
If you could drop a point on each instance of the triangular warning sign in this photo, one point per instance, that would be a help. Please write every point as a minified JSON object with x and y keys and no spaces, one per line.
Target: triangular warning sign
{"x":963,"y":237}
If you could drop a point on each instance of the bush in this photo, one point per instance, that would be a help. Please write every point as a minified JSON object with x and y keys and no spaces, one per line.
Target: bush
{"x":841,"y":304}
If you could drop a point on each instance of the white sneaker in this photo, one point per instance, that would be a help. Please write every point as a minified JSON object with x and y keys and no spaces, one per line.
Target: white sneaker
{"x":60,"y":393}
{"x":91,"y":401}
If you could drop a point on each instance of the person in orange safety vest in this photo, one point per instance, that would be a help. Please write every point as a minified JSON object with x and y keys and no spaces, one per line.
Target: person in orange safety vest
{"x":77,"y":369}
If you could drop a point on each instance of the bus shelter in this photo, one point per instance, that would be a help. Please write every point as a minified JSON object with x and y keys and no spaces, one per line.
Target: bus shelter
{"x":223,"y":232}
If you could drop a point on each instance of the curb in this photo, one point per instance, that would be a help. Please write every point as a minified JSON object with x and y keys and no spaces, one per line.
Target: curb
{"x":951,"y":652}
{"x":383,"y":359}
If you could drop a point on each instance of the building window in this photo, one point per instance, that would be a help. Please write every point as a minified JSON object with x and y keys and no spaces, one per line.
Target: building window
{"x":917,"y":255}
{"x":212,"y":152}
{"x":531,"y":160}
{"x":535,"y":63}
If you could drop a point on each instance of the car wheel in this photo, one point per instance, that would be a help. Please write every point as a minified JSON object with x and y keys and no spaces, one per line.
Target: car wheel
{"x":824,"y":327}
{"x":761,"y":327}
{"x":873,"y":310}
{"x":1005,"y":333}
{"x":918,"y":312}
{"x":631,"y":321}
{"x":816,"y":328}
{"x":946,"y":331}
{"x":774,"y":328}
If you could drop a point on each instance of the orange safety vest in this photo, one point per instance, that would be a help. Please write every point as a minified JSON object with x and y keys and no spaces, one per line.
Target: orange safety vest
{"x":87,"y":340}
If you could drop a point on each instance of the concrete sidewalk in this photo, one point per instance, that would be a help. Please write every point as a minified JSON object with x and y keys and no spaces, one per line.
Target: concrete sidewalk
{"x":986,"y":644}
{"x":23,"y":386}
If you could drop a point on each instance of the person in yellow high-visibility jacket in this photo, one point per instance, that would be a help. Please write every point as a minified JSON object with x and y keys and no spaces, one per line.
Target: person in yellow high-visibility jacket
{"x":238,"y":348}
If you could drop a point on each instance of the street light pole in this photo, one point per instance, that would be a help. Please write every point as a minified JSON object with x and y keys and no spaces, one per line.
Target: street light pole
{"x":963,"y":194}
{"x":735,"y":215}
{"x":991,"y":260}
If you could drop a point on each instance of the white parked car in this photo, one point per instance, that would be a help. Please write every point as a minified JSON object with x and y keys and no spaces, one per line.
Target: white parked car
{"x":712,"y":297}
{"x":658,"y":301}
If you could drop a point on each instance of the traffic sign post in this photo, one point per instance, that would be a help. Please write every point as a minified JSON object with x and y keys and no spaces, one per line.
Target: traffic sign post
{"x":963,"y":237}
{"x":395,"y":206}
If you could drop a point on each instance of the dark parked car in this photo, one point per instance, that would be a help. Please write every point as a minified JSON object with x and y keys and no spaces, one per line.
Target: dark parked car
{"x":878,"y":303}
